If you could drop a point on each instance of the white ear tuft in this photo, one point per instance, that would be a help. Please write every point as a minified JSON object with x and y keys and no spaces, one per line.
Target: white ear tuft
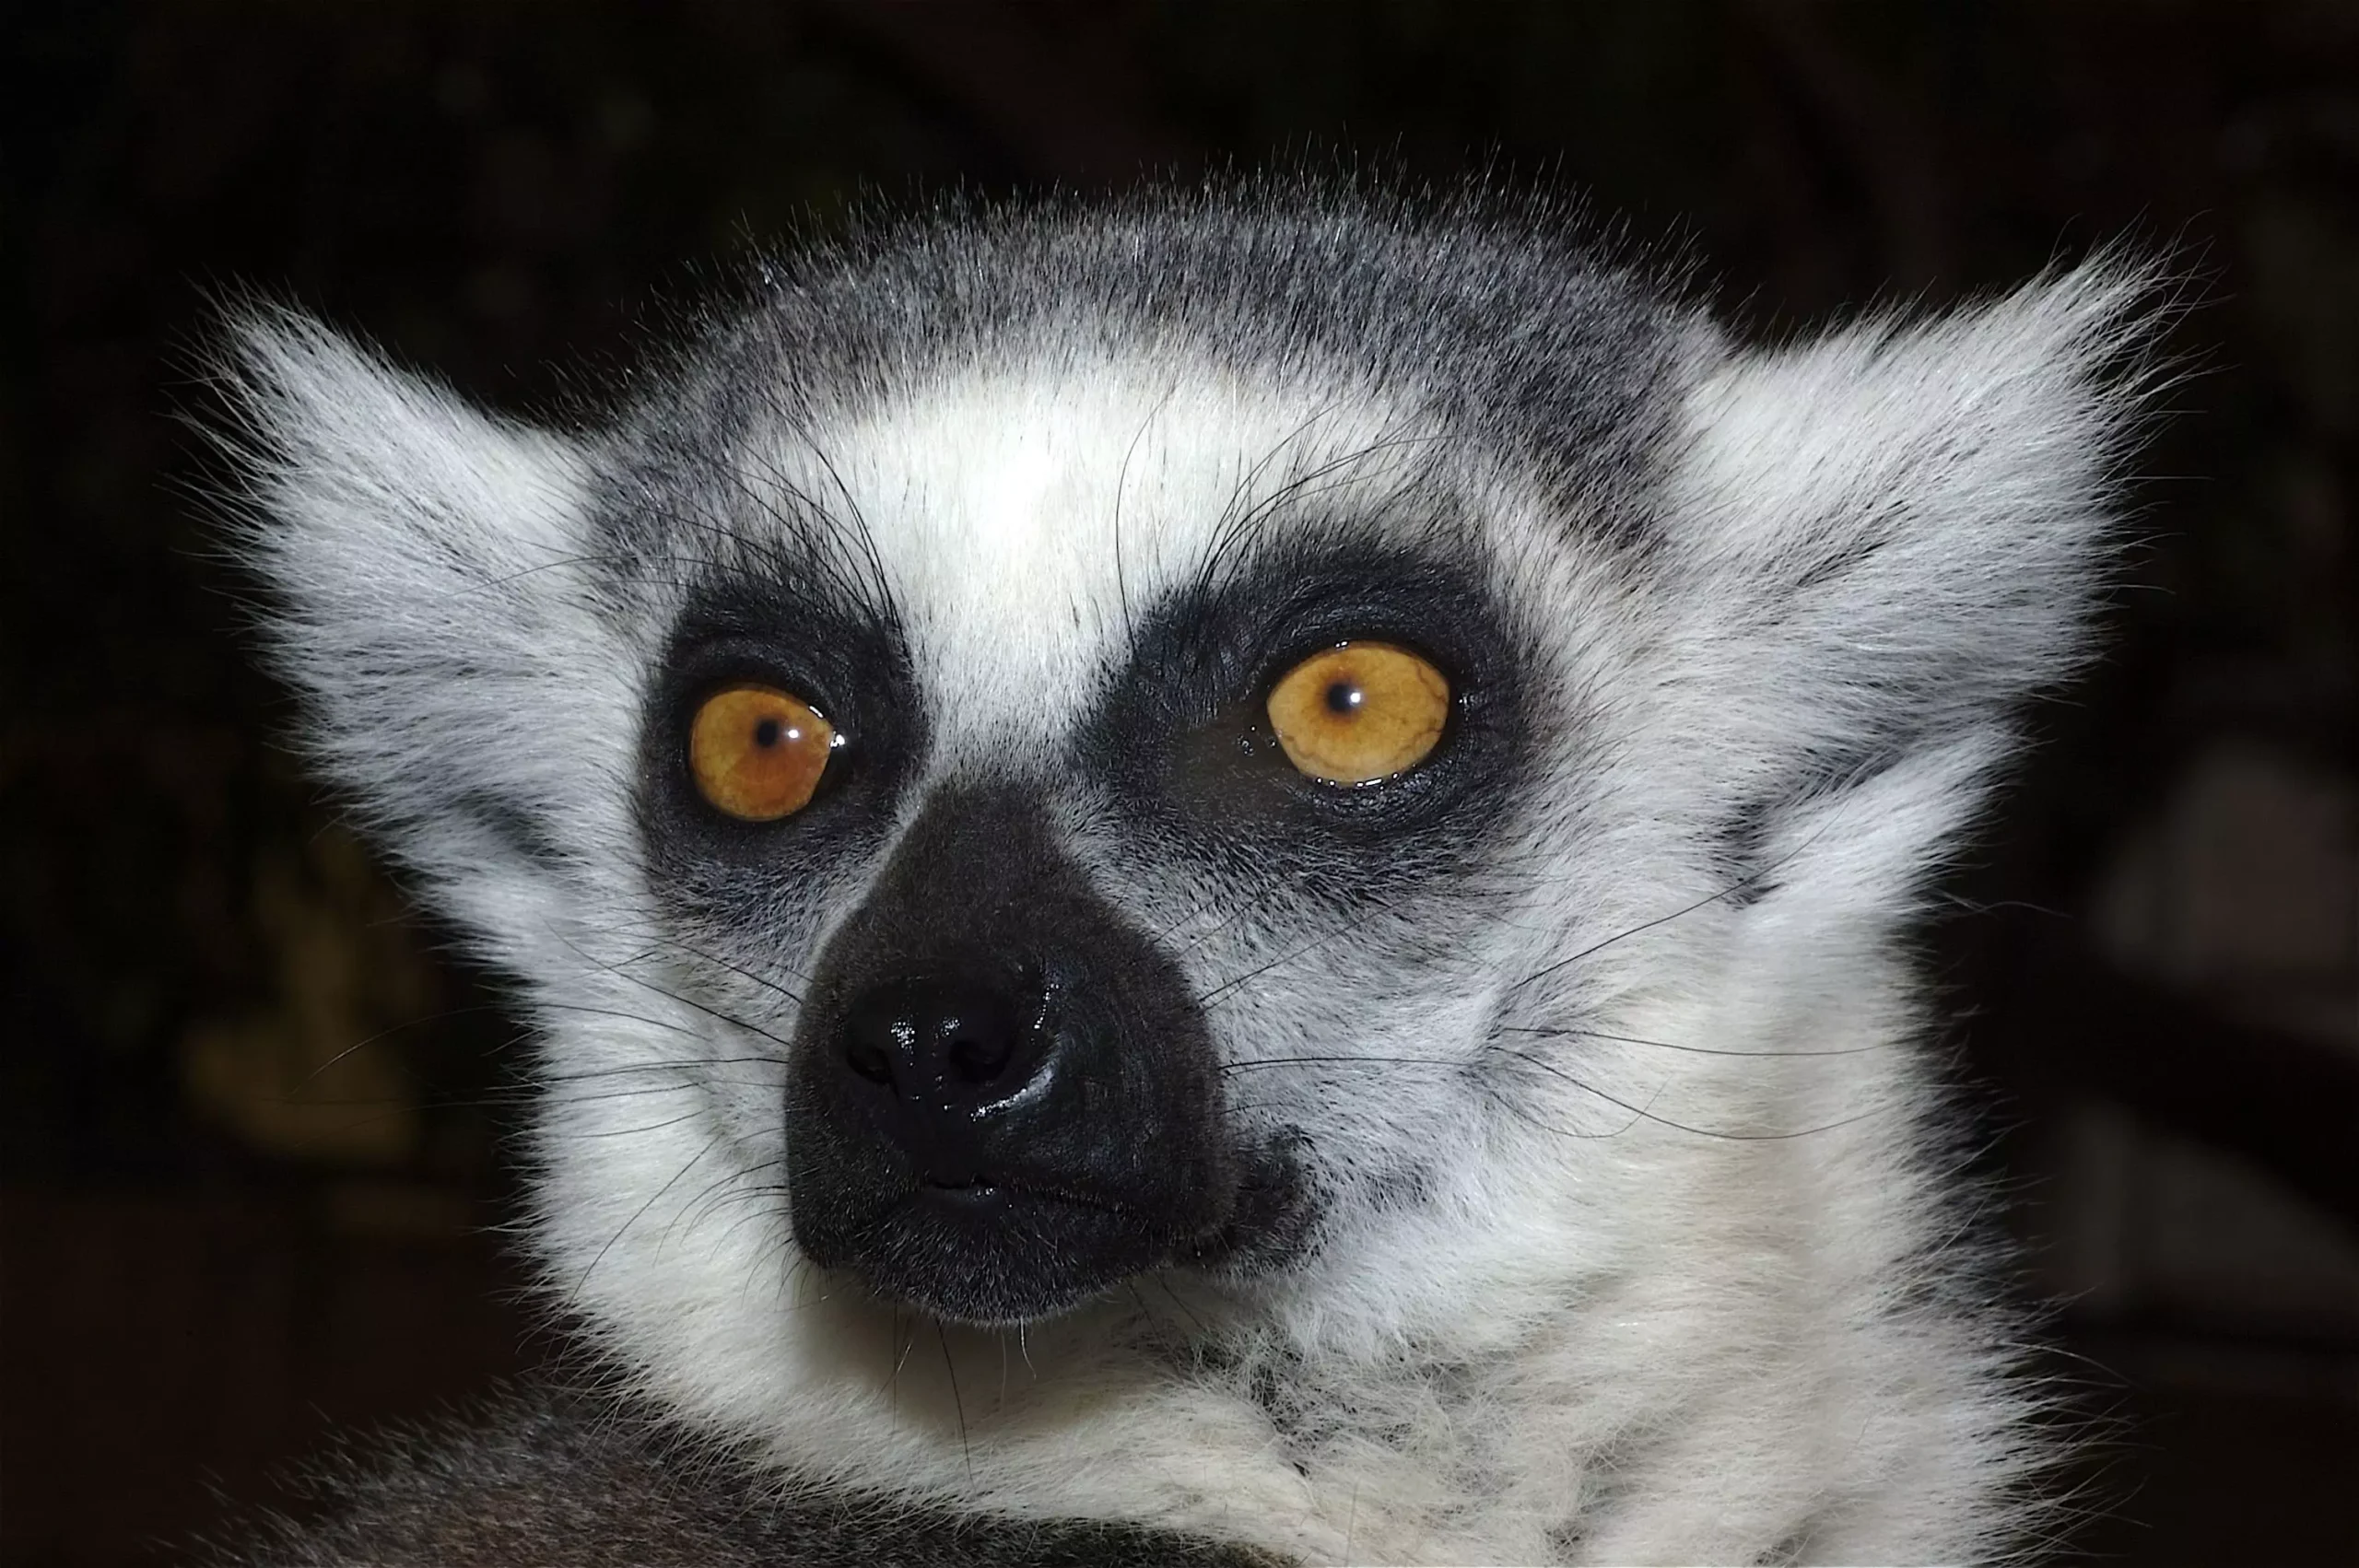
{"x":431,"y":599}
{"x":1894,"y":533}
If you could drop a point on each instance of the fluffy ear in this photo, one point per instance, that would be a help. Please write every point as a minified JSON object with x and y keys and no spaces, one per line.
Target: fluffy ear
{"x":1891,"y":535}
{"x":431,"y":599}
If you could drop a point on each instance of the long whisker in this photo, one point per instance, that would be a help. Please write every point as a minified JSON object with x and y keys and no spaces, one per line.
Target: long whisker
{"x":683,"y":1064}
{"x":1673,"y":1046}
{"x":1121,"y":485}
{"x":695,"y":1206}
{"x":1553,"y":1070}
{"x":653,"y":1198}
{"x":444,"y":1016}
{"x":1750,"y":879}
{"x":620,"y":972}
{"x":1229,"y":986}
{"x":956,"y":1403}
{"x":760,"y":979}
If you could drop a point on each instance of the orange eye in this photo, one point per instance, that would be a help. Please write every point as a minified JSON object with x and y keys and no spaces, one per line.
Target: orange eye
{"x":1359,"y":712}
{"x":758,"y":752}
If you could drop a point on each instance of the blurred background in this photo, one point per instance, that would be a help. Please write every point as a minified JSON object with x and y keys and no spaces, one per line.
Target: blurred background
{"x":252,"y":1105}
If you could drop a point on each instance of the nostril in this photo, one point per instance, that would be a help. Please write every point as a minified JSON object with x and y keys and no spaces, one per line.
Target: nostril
{"x":973,"y":1034}
{"x":932,"y":1045}
{"x":979,"y":1059}
{"x":877,"y":1037}
{"x":871,"y":1061}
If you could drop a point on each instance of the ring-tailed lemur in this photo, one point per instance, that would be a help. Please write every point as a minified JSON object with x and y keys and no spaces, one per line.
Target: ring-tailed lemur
{"x":1215,"y":878}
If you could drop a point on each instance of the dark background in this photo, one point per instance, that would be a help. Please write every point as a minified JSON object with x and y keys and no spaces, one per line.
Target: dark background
{"x":228,"y":1231}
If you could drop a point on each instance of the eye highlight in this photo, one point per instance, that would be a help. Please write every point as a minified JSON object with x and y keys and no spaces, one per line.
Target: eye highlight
{"x":1359,"y":712}
{"x":758,"y":753}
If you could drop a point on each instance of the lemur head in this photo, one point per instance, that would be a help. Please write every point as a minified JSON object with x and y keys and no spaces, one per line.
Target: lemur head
{"x":1285,"y":743}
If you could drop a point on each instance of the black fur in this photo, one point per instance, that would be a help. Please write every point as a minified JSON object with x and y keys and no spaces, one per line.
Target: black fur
{"x":556,"y":1481}
{"x":1113,"y":1160}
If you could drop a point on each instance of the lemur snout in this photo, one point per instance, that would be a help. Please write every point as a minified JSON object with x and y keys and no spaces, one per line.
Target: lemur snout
{"x":1005,"y":1097}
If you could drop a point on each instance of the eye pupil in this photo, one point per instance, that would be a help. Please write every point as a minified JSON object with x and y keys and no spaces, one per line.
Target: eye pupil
{"x":766,"y":733}
{"x":1344,"y":698}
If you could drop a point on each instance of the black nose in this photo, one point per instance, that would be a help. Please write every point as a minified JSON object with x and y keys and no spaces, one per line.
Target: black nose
{"x":930,"y":1057}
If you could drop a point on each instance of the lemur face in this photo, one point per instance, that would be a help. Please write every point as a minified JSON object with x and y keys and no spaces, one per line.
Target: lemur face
{"x":1354,"y":770}
{"x":1099,"y":770}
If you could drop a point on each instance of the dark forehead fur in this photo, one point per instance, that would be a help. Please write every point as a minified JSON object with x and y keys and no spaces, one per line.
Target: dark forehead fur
{"x":1503,"y":320}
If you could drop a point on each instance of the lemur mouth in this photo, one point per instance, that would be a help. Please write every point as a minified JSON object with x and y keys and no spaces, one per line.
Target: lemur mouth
{"x":1001,"y":1256}
{"x":1000,"y":1252}
{"x":984,"y":1191}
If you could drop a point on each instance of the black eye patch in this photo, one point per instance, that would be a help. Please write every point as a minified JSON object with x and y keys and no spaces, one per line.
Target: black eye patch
{"x":1181,"y":736}
{"x":846,"y":658}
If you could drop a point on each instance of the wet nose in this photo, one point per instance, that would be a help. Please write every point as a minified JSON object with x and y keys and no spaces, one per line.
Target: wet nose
{"x":928,"y":1055}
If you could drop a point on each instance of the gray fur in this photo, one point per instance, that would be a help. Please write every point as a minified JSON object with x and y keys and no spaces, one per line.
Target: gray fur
{"x":553,"y":1481}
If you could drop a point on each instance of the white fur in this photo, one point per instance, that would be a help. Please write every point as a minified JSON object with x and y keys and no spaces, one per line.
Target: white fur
{"x":1683,"y":1300}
